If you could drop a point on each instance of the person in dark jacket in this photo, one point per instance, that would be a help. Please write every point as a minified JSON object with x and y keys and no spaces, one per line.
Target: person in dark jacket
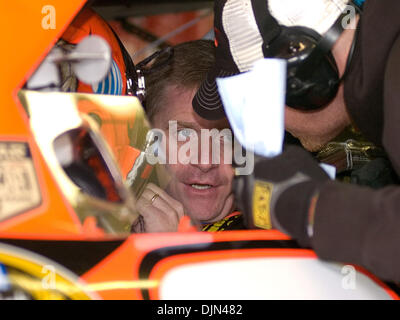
{"x":337,"y":76}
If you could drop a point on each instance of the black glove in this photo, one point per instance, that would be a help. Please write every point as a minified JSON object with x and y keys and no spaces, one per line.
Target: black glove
{"x":278,"y":194}
{"x":376,"y":174}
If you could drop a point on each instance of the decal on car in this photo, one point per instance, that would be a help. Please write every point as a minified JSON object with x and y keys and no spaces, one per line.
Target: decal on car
{"x":19,"y":188}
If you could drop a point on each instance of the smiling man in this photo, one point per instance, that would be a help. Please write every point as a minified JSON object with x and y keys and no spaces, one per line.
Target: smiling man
{"x":200,"y":180}
{"x":204,"y":188}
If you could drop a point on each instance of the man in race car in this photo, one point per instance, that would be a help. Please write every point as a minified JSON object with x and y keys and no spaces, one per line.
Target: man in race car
{"x":201,"y":189}
{"x":204,"y":191}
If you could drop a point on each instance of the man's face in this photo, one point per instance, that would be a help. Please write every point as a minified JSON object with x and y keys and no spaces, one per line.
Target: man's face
{"x":204,"y":189}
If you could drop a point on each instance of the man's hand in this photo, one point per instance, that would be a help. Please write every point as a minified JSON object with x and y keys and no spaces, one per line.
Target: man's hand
{"x":160,"y":212}
{"x":279,"y":192}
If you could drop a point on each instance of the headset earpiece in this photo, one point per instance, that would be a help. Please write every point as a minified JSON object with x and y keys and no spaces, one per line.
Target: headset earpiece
{"x":312,"y":75}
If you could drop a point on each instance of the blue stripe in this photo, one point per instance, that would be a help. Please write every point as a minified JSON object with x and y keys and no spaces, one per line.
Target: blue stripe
{"x":112,"y":83}
{"x":359,"y":3}
{"x":117,"y":75}
{"x":118,"y":78}
{"x":4,"y":280}
{"x":99,"y":87}
{"x":112,"y":80}
{"x":105,"y":91}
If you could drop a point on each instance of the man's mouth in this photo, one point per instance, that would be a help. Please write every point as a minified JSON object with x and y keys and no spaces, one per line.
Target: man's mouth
{"x":201,"y":186}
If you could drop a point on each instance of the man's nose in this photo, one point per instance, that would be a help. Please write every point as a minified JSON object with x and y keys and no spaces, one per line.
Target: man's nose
{"x":205,"y":167}
{"x":206,"y":159}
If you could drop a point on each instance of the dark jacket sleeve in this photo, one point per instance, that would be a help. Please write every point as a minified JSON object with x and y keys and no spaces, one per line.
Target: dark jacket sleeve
{"x":362,"y":226}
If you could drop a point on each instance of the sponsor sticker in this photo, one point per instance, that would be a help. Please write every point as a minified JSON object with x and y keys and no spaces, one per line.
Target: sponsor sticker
{"x":261,"y":204}
{"x":19,"y":188}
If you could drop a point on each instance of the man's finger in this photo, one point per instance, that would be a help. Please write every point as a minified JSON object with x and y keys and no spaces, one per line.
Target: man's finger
{"x":160,"y":203}
{"x":155,"y":220}
{"x":165,"y":196}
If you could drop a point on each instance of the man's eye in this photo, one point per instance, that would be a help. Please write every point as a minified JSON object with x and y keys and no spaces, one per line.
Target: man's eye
{"x":185,"y":133}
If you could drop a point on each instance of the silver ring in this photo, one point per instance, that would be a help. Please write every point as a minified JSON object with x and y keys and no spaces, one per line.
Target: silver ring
{"x":154,"y":198}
